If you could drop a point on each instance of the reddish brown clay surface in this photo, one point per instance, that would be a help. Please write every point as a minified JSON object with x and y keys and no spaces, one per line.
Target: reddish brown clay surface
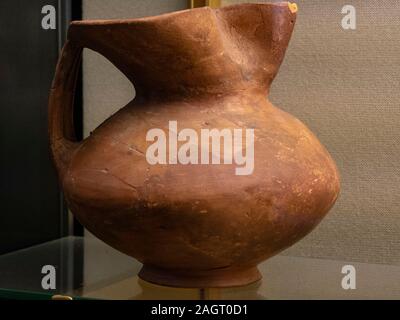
{"x":192,"y":225}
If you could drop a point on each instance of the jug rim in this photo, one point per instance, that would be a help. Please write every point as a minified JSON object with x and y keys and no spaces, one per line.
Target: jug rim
{"x":293,"y":7}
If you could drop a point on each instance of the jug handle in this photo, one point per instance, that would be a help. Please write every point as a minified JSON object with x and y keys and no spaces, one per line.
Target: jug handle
{"x":63,"y":143}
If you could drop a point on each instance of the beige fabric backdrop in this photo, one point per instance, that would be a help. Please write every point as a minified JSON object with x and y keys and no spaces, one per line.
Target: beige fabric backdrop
{"x":345,"y":85}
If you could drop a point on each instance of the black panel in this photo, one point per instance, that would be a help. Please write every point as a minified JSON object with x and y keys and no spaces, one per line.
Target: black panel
{"x":31,"y":206}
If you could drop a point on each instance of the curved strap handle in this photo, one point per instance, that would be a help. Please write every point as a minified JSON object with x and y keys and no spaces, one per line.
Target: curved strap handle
{"x":61,"y":102}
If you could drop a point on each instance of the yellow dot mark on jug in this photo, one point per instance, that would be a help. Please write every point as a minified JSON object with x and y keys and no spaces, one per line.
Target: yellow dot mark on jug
{"x":293,"y":7}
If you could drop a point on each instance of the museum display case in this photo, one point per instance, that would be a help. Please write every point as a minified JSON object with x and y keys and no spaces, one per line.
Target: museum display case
{"x":200,"y":150}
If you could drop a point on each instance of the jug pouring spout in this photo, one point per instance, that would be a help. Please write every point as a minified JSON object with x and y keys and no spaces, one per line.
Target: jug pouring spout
{"x":200,"y":50}
{"x":257,"y":35}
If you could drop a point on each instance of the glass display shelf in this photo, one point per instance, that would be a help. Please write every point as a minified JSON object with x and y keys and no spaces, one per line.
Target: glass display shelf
{"x":86,"y":268}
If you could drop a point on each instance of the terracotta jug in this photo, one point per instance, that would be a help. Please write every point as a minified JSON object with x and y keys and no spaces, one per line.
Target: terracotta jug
{"x":199,"y":223}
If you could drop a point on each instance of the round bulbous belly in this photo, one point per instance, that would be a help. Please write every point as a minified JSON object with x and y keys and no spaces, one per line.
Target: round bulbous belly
{"x":199,"y":215}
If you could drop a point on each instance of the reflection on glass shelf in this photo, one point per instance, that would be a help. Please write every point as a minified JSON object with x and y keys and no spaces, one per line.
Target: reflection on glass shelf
{"x":87,"y":268}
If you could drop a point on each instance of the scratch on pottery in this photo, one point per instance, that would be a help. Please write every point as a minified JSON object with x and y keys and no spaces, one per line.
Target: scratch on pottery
{"x":107,"y":172}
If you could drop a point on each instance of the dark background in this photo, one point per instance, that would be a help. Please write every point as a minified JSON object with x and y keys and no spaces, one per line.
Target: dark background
{"x":32,"y":209}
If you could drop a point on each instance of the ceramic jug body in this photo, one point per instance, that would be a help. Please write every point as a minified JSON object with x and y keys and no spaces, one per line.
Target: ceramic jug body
{"x":233,"y":181}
